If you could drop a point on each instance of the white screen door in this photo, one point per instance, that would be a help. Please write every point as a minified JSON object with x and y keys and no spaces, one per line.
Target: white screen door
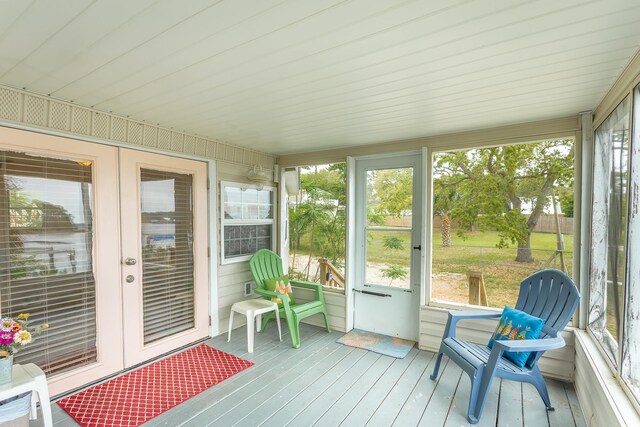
{"x":164,"y":253}
{"x":388,"y":226}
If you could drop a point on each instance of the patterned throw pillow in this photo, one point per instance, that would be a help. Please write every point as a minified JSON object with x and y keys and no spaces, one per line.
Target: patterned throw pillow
{"x":517,"y":325}
{"x":280,"y":285}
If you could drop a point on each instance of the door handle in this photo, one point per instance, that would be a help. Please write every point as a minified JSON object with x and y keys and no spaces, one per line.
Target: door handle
{"x":377,"y":294}
{"x":130,"y":261}
{"x":419,"y":247}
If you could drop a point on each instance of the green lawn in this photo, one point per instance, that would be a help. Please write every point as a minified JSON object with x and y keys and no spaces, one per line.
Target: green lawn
{"x":475,"y":252}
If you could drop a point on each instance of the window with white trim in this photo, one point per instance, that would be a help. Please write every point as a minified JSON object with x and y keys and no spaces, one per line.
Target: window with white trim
{"x":614,"y":276}
{"x":247,"y":220}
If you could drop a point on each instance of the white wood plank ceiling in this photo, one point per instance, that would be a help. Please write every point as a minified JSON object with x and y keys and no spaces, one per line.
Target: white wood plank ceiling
{"x":301,"y":75}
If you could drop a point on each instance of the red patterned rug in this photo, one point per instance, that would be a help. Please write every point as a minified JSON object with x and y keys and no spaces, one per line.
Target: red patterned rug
{"x":136,"y":397}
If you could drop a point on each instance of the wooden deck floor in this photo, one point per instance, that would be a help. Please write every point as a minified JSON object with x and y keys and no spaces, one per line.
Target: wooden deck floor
{"x":327,"y":384}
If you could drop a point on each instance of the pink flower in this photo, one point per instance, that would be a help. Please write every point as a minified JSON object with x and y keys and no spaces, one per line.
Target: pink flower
{"x":6,"y":337}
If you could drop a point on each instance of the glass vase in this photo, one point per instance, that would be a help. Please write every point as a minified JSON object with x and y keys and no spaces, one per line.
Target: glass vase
{"x":6,"y":369}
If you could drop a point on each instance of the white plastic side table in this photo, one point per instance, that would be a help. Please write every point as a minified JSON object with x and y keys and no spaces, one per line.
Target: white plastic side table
{"x":26,"y":378}
{"x":253,"y":309}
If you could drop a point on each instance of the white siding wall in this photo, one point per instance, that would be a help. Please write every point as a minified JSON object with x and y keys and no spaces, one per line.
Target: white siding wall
{"x":602,"y":399}
{"x":231,"y":277}
{"x":555,"y":364}
{"x":336,"y":309}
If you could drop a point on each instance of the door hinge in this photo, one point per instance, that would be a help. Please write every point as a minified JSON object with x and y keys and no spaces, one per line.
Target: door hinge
{"x":209,"y":252}
{"x":208,"y":184}
{"x":209,"y":320}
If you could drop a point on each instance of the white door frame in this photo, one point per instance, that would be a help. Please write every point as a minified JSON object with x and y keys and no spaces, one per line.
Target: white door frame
{"x":131,"y":163}
{"x":61,"y":383}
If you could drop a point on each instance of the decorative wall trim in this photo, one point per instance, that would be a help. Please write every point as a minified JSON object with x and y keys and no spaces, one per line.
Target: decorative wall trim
{"x":37,"y":111}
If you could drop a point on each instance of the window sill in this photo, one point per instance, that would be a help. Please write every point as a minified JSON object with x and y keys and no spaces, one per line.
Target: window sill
{"x":445,"y":305}
{"x":599,"y":391}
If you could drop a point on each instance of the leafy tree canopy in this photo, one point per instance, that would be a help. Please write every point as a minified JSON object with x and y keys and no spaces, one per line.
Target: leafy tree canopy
{"x":393,"y":190}
{"x":493,"y":186}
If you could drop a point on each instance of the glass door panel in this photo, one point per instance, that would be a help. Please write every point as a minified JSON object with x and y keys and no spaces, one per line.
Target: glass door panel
{"x":46,"y":267}
{"x":59,"y":251}
{"x":389,"y":227}
{"x":167,"y":253}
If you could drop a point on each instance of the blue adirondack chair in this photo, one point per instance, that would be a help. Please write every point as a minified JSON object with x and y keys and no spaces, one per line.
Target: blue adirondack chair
{"x":548,"y":294}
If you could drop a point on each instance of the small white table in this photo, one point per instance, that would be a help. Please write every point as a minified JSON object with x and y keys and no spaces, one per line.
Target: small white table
{"x":26,"y":378}
{"x":253,"y":309}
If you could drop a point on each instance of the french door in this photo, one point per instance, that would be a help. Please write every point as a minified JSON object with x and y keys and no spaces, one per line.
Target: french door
{"x":107,"y":246}
{"x":164,"y":253}
{"x":388,"y":222}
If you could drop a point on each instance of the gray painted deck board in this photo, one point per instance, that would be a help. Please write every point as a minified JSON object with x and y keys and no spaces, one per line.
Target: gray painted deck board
{"x":337,"y":413}
{"x":418,"y":400}
{"x":321,"y":404}
{"x":302,"y":392}
{"x":392,"y":405}
{"x":535,"y":414}
{"x":435,"y":414}
{"x":490,"y":414}
{"x":376,"y":395}
{"x":510,"y":405}
{"x":578,"y":417}
{"x":457,"y":415}
{"x":327,"y":384}
{"x":562,"y":415}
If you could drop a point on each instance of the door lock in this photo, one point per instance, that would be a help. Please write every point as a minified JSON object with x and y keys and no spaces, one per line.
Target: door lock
{"x":130,"y":278}
{"x":130,"y":261}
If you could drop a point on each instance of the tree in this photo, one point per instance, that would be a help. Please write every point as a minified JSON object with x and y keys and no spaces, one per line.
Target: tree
{"x":496,"y":184}
{"x":565,"y":196}
{"x":445,"y":198}
{"x":393,"y":189}
{"x":394,"y":272}
{"x":320,"y":216}
{"x":392,"y":242}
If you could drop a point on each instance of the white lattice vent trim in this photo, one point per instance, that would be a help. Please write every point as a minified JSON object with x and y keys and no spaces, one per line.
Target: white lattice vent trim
{"x":10,"y":102}
{"x":35,"y":111}
{"x":20,"y":106}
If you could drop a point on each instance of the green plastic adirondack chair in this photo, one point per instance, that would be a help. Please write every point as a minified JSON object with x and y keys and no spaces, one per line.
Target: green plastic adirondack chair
{"x":266,"y":264}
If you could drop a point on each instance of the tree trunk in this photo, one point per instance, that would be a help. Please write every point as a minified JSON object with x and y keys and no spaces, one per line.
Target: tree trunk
{"x":524,"y":250}
{"x":445,"y":229}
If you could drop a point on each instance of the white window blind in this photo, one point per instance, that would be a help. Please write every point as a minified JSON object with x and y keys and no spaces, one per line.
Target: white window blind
{"x":167,"y":253}
{"x":46,"y":264}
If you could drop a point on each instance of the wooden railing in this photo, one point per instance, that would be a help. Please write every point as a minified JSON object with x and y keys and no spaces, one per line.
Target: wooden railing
{"x":329,"y":275}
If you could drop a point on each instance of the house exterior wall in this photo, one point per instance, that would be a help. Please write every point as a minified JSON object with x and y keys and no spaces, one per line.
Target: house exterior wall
{"x":32,"y":112}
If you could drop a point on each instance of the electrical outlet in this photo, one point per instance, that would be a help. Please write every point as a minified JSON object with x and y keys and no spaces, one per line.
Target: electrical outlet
{"x":248,"y":289}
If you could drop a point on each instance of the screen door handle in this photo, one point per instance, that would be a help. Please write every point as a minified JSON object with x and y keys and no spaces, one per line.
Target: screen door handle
{"x":377,"y":294}
{"x":419,"y":247}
